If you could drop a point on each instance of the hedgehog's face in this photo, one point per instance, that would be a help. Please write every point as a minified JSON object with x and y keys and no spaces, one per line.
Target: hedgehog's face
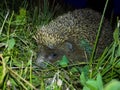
{"x":47,"y":55}
{"x":51,"y":55}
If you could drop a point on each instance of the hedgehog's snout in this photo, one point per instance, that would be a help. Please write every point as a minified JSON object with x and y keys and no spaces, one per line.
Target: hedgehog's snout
{"x":46,"y":57}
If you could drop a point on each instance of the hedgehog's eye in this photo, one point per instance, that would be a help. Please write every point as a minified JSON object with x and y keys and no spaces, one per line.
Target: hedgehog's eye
{"x":52,"y":56}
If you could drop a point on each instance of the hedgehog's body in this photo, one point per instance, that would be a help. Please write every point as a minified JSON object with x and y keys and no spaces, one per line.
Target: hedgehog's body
{"x":72,"y":27}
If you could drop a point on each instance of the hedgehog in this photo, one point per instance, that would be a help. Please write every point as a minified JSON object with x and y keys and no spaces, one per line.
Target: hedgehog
{"x":72,"y":28}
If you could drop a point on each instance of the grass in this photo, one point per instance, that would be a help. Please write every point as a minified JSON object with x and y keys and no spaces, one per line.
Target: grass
{"x":18,"y":52}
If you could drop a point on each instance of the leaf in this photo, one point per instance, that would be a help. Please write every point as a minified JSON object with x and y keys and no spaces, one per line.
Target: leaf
{"x":99,"y":81}
{"x":116,"y":35}
{"x":64,"y":62}
{"x":113,"y":85}
{"x":86,"y":45}
{"x":22,"y":12}
{"x":11,"y":43}
{"x":21,"y":18}
{"x":74,"y":70}
{"x":117,"y":65}
{"x":118,"y":50}
{"x":82,"y":79}
{"x":85,"y":69}
{"x":92,"y":84}
{"x":86,"y":88}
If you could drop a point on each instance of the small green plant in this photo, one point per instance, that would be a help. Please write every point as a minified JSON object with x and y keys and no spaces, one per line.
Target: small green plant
{"x":113,"y":85}
{"x":64,"y":62}
{"x":92,"y":84}
{"x":97,"y":84}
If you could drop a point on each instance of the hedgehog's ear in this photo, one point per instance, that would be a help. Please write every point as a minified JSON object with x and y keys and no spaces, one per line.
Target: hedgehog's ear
{"x":69,"y":46}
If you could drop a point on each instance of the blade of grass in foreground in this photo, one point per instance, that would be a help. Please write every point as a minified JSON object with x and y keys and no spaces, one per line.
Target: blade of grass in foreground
{"x":97,"y":38}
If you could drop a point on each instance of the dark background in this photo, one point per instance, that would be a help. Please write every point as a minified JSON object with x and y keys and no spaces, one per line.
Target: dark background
{"x":98,"y":5}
